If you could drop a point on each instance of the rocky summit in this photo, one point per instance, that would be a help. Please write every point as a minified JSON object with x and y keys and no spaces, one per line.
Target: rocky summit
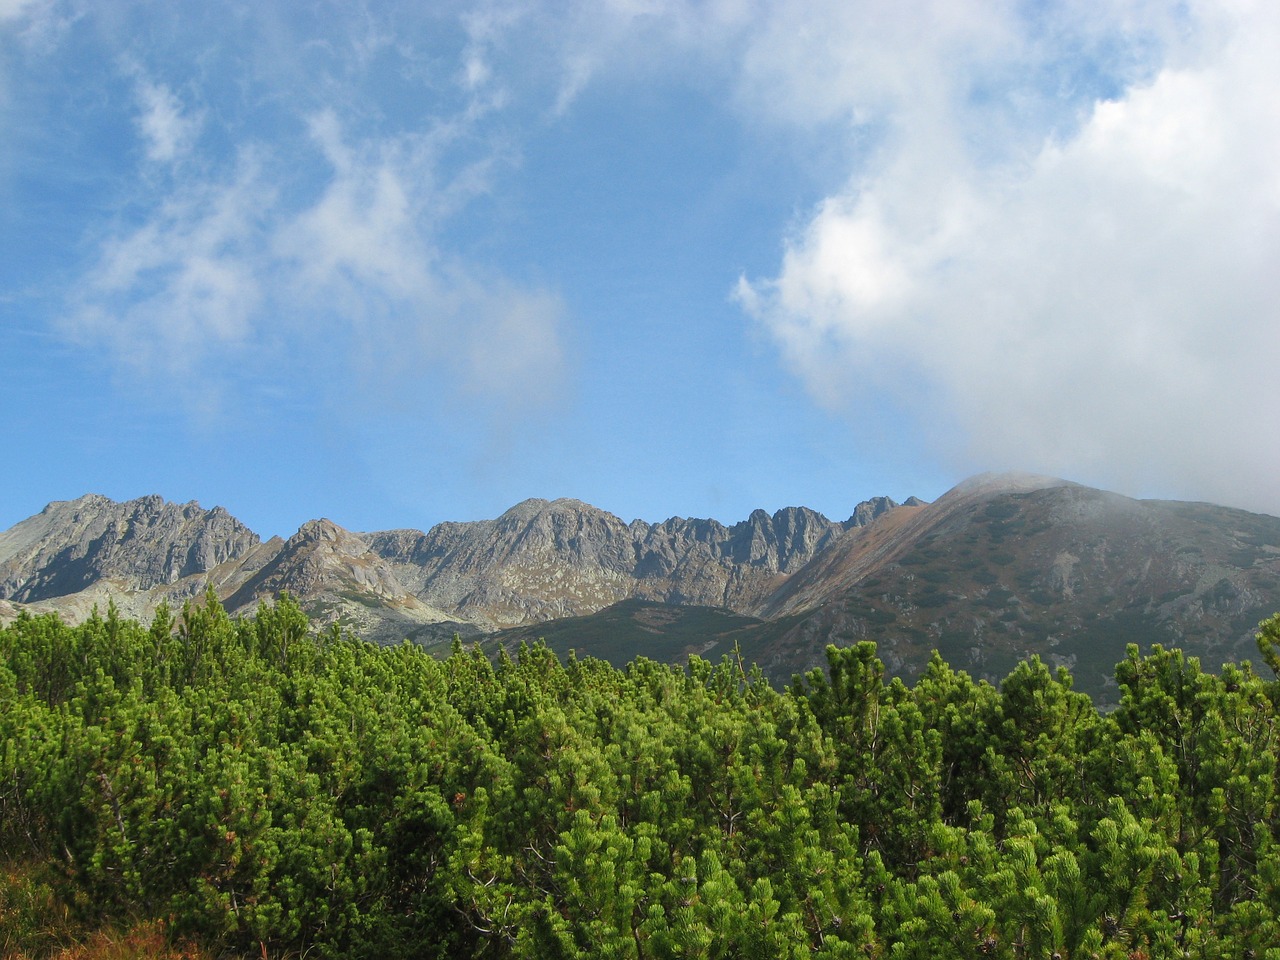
{"x":1002,"y":567}
{"x":539,"y":561}
{"x":145,"y":543}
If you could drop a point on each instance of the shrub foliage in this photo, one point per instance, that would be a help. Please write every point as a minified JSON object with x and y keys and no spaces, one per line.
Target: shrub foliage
{"x":264,"y":787}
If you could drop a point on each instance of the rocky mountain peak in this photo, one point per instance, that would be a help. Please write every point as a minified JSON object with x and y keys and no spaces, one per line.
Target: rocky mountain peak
{"x":140,"y":543}
{"x":781,"y":542}
{"x":868,"y":510}
{"x":1006,"y":482}
{"x":535,"y":507}
{"x":525,"y":509}
{"x":313,"y":530}
{"x":1000,"y":566}
{"x":322,"y":560}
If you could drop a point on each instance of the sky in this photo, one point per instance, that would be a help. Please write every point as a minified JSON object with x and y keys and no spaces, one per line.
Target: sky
{"x":400,"y":263}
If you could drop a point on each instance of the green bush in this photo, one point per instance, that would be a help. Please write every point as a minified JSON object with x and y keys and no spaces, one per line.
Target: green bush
{"x":265,"y":787}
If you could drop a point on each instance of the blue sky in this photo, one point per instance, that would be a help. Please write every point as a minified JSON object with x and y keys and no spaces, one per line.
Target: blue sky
{"x":401,"y":263}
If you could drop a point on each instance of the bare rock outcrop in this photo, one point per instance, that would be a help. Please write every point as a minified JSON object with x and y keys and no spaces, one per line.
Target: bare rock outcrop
{"x":542,"y":560}
{"x":539,"y":561}
{"x":141,"y":544}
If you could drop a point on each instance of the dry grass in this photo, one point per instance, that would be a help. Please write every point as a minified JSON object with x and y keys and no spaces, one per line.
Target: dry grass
{"x":37,"y":924}
{"x":144,"y":941}
{"x":34,"y":920}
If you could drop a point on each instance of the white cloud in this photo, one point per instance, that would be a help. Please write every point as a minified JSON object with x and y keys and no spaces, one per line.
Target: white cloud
{"x":365,"y":229}
{"x":39,"y":25}
{"x":1103,"y":304}
{"x":13,"y":9}
{"x":169,"y":132}
{"x":366,"y":246}
{"x":226,"y":278}
{"x":180,"y":293}
{"x":36,"y":25}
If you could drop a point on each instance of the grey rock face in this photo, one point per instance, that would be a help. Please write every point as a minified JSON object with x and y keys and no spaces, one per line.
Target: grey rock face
{"x":547,"y":559}
{"x":143,"y":543}
{"x":867,"y":511}
{"x":999,"y":568}
{"x":321,"y":557}
{"x":541,"y":560}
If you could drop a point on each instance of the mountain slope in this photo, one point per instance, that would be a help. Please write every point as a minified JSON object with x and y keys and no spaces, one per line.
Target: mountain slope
{"x":1001,"y":567}
{"x":542,"y":560}
{"x":337,"y":578}
{"x":992,"y":573}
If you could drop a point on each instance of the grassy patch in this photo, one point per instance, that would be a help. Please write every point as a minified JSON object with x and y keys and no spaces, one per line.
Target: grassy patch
{"x":37,"y":923}
{"x":933,"y":600}
{"x":1001,"y":510}
{"x":34,"y":920}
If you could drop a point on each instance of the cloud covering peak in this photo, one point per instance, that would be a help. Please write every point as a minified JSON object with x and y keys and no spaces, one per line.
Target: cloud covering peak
{"x":1095,"y":297}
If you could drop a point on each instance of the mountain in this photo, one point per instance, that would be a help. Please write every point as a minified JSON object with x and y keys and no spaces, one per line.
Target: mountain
{"x":79,"y":554}
{"x":540,"y":560}
{"x":999,"y":568}
{"x":334,"y":574}
{"x":543,"y":560}
{"x":145,"y":543}
{"x":1003,"y":567}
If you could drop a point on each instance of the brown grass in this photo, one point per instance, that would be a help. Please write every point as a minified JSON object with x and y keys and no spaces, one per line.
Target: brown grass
{"x":37,"y":924}
{"x":143,"y":941}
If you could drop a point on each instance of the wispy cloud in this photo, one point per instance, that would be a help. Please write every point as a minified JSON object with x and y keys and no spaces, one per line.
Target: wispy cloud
{"x":167,"y":128}
{"x":276,"y":237}
{"x":363,"y":254}
{"x":14,"y":9}
{"x":183,"y":282}
{"x":179,"y":297}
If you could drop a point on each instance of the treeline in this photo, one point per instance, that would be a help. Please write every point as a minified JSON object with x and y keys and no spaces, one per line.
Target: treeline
{"x":266,"y":788}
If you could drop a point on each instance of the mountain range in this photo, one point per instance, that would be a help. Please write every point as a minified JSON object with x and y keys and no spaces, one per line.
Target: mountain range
{"x":1001,"y":567}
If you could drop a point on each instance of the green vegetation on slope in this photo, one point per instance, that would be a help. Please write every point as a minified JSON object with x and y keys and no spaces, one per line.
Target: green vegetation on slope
{"x":666,"y":633}
{"x":264,"y":789}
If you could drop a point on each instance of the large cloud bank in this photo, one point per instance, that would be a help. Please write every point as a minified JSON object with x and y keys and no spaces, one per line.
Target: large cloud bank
{"x":1074,"y":280}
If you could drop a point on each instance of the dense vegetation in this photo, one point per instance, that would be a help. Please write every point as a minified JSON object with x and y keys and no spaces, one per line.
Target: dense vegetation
{"x":264,"y":788}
